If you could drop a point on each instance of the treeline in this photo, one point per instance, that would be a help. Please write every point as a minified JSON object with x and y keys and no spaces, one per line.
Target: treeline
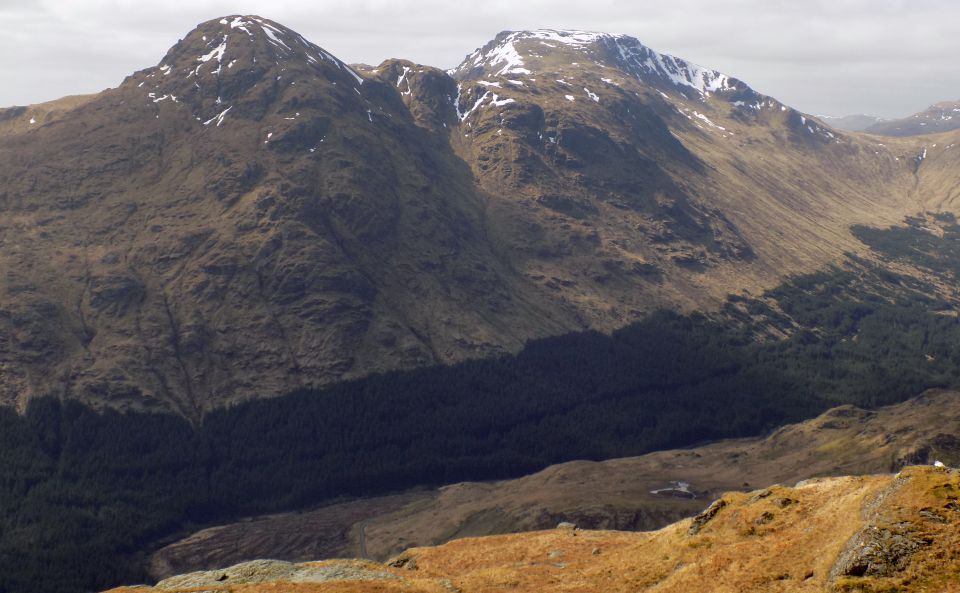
{"x":83,"y":494}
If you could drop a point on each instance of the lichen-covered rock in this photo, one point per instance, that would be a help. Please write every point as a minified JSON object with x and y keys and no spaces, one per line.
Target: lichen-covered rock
{"x":876,"y":552}
{"x":273,"y":571}
{"x":706,"y":516}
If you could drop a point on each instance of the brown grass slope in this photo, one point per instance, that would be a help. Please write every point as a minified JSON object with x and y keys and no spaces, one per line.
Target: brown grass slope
{"x":621,"y":191}
{"x":866,"y":534}
{"x":638,"y":493}
{"x":21,"y":119}
{"x":251,"y":216}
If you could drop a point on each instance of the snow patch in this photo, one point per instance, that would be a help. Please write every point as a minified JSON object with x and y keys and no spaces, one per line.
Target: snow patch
{"x":218,"y":118}
{"x":505,"y":54}
{"x":239,"y":23}
{"x":678,"y":488}
{"x":706,"y":120}
{"x":269,"y":31}
{"x":400,"y":80}
{"x":402,"y":76}
{"x":217,"y":53}
{"x":494,"y":98}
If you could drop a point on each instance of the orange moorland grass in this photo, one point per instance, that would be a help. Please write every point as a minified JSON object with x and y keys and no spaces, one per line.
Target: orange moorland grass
{"x":779,"y":539}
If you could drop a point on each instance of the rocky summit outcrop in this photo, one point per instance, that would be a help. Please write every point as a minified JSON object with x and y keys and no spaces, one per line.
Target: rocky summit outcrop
{"x":847,"y":534}
{"x":252,"y":215}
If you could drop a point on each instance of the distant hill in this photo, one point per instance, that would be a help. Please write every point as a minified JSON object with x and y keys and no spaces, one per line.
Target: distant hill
{"x":942,"y":117}
{"x":851,"y":123}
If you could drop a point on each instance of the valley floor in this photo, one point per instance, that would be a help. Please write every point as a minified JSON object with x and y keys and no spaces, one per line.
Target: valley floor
{"x":636,"y":493}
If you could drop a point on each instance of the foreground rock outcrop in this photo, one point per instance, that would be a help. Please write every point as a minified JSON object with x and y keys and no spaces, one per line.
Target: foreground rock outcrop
{"x":265,"y":572}
{"x":866,"y":534}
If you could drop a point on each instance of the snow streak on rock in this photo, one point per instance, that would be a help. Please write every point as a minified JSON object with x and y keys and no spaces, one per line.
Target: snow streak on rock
{"x":509,"y":55}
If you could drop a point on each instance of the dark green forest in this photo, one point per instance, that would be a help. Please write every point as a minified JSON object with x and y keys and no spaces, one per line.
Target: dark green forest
{"x":84,"y":494}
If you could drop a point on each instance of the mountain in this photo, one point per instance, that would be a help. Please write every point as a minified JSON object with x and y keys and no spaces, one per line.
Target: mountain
{"x":253,"y":216}
{"x":871,"y":533}
{"x":941,"y":117}
{"x":637,"y":493}
{"x":255,"y":279}
{"x":247,"y":217}
{"x":851,"y":123}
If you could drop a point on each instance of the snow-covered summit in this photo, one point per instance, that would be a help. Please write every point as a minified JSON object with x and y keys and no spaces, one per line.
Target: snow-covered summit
{"x":237,"y":42}
{"x":237,"y":60}
{"x":649,"y":65}
{"x":519,"y":53}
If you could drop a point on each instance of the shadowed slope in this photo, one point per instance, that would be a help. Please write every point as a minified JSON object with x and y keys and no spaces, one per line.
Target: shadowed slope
{"x":637,"y":493}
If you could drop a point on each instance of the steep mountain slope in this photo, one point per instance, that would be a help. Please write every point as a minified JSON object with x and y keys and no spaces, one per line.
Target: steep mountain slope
{"x":668,"y":168}
{"x":941,"y":117}
{"x":646,"y":492}
{"x":247,"y":217}
{"x":874,"y":533}
{"x":937,"y":179}
{"x":252,"y":215}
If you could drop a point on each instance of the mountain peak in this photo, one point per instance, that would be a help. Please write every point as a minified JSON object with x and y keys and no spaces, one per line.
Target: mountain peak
{"x":509,"y":51}
{"x":239,"y":65}
{"x":232,"y":40}
{"x":513,"y":53}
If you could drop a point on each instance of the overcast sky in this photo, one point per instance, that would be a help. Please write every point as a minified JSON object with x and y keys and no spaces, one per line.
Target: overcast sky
{"x":832,"y":57}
